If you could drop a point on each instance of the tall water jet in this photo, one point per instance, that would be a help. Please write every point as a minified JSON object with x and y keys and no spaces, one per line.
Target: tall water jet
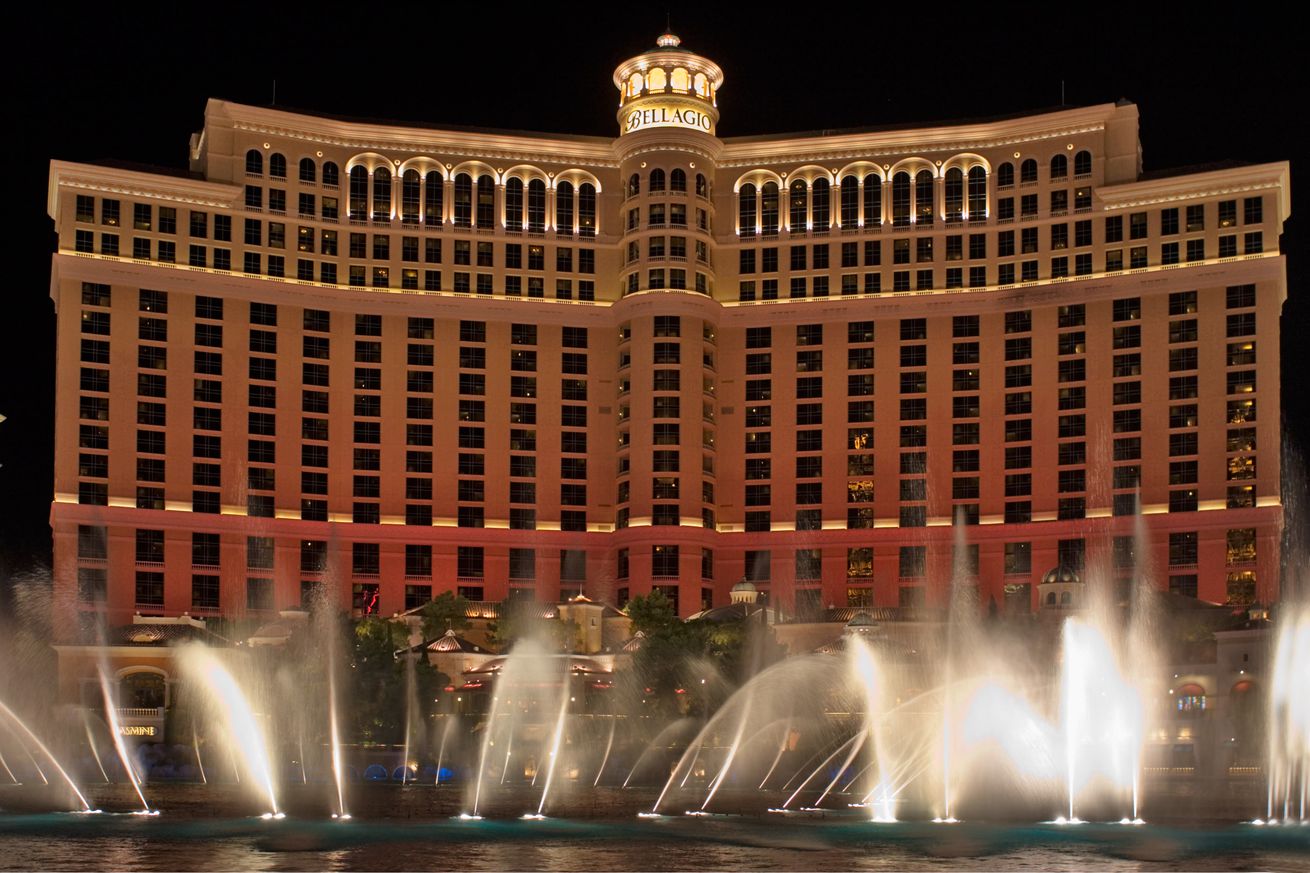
{"x":200,"y":765}
{"x":557,"y":737}
{"x":732,"y":749}
{"x":329,"y":633}
{"x":120,"y":742}
{"x":441,"y":748}
{"x":91,"y":743}
{"x":338,"y":765}
{"x":230,"y":706}
{"x":411,"y":706}
{"x":1289,"y":718}
{"x":1143,"y":652}
{"x":865,"y":664}
{"x":962,"y":635}
{"x":1102,"y":714}
{"x":27,"y":732}
{"x":782,"y":750}
{"x":604,"y":759}
{"x":523,"y":668}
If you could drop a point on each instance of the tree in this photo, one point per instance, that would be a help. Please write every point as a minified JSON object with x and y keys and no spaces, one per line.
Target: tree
{"x":692,"y":667}
{"x":378,"y":688}
{"x":446,"y":611}
{"x":652,"y":614}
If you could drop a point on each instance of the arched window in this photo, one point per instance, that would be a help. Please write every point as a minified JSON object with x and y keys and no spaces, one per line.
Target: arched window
{"x":434,"y":194}
{"x":358,"y":193}
{"x":536,"y":206}
{"x":1059,"y":167}
{"x":1005,"y":175}
{"x":680,"y":80}
{"x":1066,"y":598}
{"x":1189,"y":700}
{"x":514,"y":204}
{"x":255,"y":162}
{"x":702,"y":85}
{"x":1082,"y":163}
{"x":308,"y":170}
{"x":923,"y":196}
{"x":769,"y":208}
{"x":1028,"y":170}
{"x":486,"y":202}
{"x":410,"y":190}
{"x":702,"y":186}
{"x":634,"y":185}
{"x":656,"y":180}
{"x":331,"y":176}
{"x":463,"y":200}
{"x":564,"y":207}
{"x":1050,"y":599}
{"x":872,"y":200}
{"x":587,"y":209}
{"x":635,"y":84}
{"x":678,"y":180}
{"x":953,"y":191}
{"x":657,"y":80}
{"x":381,"y":194}
{"x":977,"y":193}
{"x":850,"y":202}
{"x":746,"y":209}
{"x":820,"y":207}
{"x":901,"y":199}
{"x":798,"y":210}
{"x":142,"y":691}
{"x":277,"y":166}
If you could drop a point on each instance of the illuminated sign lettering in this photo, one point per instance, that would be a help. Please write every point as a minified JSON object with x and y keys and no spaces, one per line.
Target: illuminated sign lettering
{"x":668,"y":116}
{"x":137,"y":730}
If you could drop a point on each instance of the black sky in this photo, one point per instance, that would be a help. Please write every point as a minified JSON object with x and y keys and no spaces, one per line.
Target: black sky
{"x":129,"y":82}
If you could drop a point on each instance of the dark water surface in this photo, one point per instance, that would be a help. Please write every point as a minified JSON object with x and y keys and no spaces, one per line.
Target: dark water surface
{"x":396,"y":829}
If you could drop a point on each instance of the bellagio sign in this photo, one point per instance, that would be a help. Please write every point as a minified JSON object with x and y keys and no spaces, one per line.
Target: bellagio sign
{"x":667,"y":116}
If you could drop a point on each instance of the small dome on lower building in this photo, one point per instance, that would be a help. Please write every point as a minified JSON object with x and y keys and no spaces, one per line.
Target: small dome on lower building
{"x":1060,"y":573}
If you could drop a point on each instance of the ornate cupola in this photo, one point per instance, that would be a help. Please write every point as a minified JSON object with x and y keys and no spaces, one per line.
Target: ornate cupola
{"x":1060,"y":589}
{"x":668,"y":86}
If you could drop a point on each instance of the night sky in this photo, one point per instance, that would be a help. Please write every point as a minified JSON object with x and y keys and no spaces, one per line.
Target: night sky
{"x":130,"y":84}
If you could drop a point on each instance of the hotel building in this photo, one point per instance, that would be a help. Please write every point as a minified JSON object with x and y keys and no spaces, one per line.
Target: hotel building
{"x":393,"y":360}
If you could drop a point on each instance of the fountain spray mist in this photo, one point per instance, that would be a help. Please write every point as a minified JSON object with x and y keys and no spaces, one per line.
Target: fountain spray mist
{"x":557,"y":737}
{"x":91,"y":743}
{"x":22,"y":726}
{"x":120,"y":742}
{"x":229,"y":704}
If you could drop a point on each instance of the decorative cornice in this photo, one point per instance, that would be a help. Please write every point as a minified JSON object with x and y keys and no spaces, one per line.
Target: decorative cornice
{"x":1035,"y":128}
{"x":365,"y":136}
{"x":135,"y":183}
{"x":1195,"y":186}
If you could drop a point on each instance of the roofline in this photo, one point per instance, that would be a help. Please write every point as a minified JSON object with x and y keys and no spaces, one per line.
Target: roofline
{"x":135,"y":183}
{"x":367,"y":134}
{"x":164,"y":650}
{"x":1208,"y":183}
{"x":898,"y":138}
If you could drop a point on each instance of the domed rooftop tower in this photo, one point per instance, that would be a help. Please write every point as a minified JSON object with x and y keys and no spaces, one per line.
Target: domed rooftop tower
{"x":667,"y":150}
{"x":668,"y":86}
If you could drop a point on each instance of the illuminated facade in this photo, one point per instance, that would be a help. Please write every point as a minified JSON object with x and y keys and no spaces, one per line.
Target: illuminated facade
{"x":395,"y":360}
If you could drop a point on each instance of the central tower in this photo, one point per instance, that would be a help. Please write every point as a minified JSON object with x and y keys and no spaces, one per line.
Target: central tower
{"x":668,"y":86}
{"x":668,"y":380}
